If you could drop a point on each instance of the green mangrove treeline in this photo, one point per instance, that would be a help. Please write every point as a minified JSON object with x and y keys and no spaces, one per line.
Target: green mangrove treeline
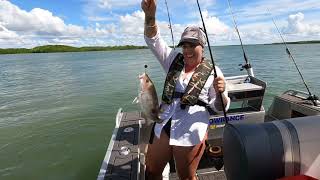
{"x":63,"y":48}
{"x":301,"y":42}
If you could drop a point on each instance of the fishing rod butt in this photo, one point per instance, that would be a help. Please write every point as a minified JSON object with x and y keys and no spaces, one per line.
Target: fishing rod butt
{"x":250,"y":71}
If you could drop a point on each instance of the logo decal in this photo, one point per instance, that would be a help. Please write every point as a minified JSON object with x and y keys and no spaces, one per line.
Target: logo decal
{"x":219,"y":122}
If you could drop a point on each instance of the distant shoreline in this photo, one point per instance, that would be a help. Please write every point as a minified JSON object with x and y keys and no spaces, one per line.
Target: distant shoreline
{"x":64,"y":48}
{"x":293,"y":42}
{"x":301,"y":42}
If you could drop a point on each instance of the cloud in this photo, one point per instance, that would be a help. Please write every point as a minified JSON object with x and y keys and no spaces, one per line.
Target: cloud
{"x":41,"y":26}
{"x":21,"y":28}
{"x":132,"y":23}
{"x":131,"y":29}
{"x":108,"y":4}
{"x":104,"y":10}
{"x":6,"y":34}
{"x":296,"y":25}
{"x":258,"y":10}
{"x":216,"y":29}
{"x":37,"y":21}
{"x":213,"y":25}
{"x":99,"y":18}
{"x":294,"y":28}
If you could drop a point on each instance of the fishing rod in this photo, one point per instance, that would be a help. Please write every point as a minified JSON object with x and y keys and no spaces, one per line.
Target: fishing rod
{"x":214,"y":67}
{"x":247,"y":66}
{"x":170,"y":25}
{"x":311,"y":97}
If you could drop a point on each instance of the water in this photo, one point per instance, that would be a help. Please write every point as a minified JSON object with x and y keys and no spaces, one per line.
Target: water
{"x":57,"y":111}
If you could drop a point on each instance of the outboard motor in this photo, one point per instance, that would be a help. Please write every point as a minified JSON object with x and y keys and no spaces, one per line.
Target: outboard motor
{"x":272,"y":150}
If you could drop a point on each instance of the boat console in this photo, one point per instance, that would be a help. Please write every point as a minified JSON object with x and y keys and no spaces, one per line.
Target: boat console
{"x":246,"y":94}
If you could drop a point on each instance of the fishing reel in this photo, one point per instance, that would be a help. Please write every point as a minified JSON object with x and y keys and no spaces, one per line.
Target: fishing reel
{"x":244,"y":66}
{"x":314,"y":99}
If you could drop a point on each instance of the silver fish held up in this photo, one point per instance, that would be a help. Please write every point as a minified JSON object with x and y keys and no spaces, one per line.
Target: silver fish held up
{"x":148,"y":99}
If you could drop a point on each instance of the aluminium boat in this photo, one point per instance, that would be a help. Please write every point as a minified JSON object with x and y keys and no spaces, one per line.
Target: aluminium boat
{"x":125,"y":155}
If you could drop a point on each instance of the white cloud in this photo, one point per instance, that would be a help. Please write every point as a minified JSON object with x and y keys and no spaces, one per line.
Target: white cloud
{"x":108,"y":4}
{"x":20,"y":28}
{"x":131,"y":29}
{"x":103,"y":10}
{"x":65,"y":41}
{"x":99,"y":18}
{"x":261,"y":32}
{"x":37,"y":21}
{"x":39,"y":26}
{"x":217,"y":30}
{"x":296,"y":25}
{"x":6,"y":34}
{"x":132,"y":24}
{"x":294,"y":28}
{"x":258,"y":10}
{"x":213,"y":25}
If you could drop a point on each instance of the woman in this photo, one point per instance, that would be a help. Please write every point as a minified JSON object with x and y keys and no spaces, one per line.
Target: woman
{"x":184,"y":129}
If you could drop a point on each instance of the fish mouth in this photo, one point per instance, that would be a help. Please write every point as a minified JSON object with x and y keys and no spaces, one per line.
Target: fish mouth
{"x":141,"y":76}
{"x":141,"y":79}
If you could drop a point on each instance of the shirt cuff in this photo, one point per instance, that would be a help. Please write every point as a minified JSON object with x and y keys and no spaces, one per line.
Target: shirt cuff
{"x":153,"y":39}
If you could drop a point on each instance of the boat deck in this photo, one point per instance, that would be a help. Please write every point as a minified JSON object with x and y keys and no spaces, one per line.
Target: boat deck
{"x":122,"y":161}
{"x":205,"y":174}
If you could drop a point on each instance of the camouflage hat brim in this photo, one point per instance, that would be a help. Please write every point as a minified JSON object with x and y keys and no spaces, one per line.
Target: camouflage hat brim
{"x":189,"y":40}
{"x":193,"y":34}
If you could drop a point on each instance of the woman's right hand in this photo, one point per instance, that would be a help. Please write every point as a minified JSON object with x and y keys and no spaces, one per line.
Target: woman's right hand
{"x":149,"y":7}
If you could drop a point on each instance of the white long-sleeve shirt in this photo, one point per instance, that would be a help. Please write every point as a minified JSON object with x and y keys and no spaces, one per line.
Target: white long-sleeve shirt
{"x":189,"y":125}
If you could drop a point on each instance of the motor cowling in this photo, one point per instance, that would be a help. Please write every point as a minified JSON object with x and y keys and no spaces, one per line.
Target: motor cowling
{"x":272,"y":150}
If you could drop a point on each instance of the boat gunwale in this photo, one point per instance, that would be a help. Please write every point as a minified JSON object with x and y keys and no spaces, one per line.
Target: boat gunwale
{"x":106,"y":159}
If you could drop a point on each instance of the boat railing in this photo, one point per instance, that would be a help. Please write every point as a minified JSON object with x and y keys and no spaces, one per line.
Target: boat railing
{"x":118,"y":117}
{"x":106,"y":159}
{"x":297,"y":93}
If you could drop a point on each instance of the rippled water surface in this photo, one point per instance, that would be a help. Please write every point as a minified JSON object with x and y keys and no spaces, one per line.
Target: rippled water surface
{"x":57,"y":110}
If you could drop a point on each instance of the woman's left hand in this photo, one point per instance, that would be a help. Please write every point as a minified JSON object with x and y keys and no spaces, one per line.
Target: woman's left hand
{"x":219,"y":84}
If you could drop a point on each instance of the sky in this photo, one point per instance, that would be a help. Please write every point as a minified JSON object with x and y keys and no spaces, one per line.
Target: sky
{"x":30,"y":23}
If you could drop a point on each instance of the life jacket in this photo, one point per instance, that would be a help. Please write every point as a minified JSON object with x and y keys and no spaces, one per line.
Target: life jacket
{"x":195,"y":85}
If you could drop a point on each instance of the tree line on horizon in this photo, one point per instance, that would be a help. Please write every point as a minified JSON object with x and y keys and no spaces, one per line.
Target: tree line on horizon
{"x":64,"y":48}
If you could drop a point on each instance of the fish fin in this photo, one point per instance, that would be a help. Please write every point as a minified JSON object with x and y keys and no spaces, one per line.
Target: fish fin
{"x":135,"y":100}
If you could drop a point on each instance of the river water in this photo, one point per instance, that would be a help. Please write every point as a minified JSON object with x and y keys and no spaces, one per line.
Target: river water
{"x":57,"y":110}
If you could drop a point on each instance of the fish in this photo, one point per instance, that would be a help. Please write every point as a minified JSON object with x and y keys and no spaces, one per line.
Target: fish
{"x":148,"y":99}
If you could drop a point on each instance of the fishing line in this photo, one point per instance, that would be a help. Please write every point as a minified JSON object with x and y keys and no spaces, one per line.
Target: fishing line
{"x":170,"y":25}
{"x":311,"y":97}
{"x":247,"y":66}
{"x":214,"y":67}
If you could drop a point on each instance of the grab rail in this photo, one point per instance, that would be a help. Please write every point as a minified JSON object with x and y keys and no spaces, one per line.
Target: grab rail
{"x":106,"y":159}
